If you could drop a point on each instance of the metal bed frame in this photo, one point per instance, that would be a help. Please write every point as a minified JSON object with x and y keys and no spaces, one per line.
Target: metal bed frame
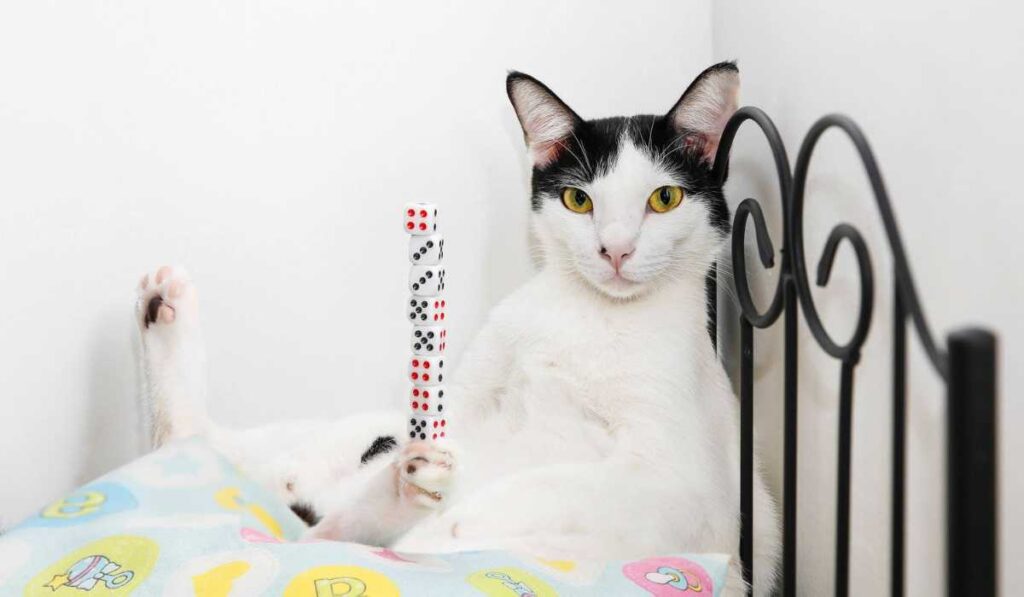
{"x":966,"y":366}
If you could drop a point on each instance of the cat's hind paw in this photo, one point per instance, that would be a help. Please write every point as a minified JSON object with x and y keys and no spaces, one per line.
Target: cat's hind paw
{"x":164,"y":298}
{"x":424,"y":474}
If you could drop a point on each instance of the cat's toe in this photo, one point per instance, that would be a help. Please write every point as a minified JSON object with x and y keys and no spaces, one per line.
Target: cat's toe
{"x":424,"y":473}
{"x":164,"y":297}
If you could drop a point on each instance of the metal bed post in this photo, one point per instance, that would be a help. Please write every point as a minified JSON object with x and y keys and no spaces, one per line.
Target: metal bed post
{"x":971,"y":466}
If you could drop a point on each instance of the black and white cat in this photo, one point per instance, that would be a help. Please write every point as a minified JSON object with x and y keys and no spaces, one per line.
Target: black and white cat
{"x":593,"y":418}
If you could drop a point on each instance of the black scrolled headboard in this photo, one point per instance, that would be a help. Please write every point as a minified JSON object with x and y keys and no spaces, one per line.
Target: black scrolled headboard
{"x":966,"y":365}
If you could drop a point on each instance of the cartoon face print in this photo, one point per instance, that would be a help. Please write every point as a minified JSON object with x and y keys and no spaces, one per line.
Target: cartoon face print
{"x":90,"y":570}
{"x":509,"y":582}
{"x":114,"y":565}
{"x":518,"y":587}
{"x":673,"y":577}
{"x":669,"y":577}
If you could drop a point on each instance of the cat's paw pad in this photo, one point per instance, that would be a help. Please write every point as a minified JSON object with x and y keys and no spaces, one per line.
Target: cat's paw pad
{"x":164,"y":297}
{"x":424,"y":473}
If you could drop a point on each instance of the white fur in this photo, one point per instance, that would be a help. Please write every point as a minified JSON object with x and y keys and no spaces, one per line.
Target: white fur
{"x":546,"y":121}
{"x":708,"y":107}
{"x":592,"y":416}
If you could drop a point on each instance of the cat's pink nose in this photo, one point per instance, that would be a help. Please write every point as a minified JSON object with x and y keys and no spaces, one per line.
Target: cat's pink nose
{"x":616,"y":254}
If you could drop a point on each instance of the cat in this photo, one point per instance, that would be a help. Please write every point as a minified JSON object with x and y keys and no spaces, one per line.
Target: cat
{"x":592,"y":416}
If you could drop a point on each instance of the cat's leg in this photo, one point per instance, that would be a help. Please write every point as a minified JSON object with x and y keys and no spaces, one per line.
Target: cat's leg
{"x":173,"y":357}
{"x":613,"y":508}
{"x":384,"y":501}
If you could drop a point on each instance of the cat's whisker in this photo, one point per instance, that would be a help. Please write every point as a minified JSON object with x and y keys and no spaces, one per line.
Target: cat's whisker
{"x":565,"y":146}
{"x":583,"y":149}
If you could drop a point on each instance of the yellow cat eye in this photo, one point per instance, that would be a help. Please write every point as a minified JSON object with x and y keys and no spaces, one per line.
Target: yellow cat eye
{"x":576,"y":200}
{"x":665,"y":198}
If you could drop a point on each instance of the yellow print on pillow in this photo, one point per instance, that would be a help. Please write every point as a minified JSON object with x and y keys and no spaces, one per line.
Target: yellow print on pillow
{"x":341,"y":581}
{"x":111,"y":566}
{"x":232,"y":499}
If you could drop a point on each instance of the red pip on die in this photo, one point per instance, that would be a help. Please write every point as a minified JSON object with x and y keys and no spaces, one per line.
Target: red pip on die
{"x":420,"y":218}
{"x":427,"y":427}
{"x":424,"y":310}
{"x":426,"y":371}
{"x":427,"y":400}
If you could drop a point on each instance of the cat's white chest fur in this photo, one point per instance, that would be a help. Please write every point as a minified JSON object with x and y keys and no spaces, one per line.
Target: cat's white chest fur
{"x":578,"y":368}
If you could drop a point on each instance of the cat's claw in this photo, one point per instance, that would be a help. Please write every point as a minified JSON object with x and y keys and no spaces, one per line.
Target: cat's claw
{"x":163,"y":298}
{"x":424,"y":474}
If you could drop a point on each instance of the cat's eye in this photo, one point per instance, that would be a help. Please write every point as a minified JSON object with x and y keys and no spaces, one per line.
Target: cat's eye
{"x":665,"y":198}
{"x":576,"y":200}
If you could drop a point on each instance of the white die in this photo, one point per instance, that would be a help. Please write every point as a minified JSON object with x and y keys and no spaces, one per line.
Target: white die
{"x":427,"y":400}
{"x":426,"y":280}
{"x":426,"y":250}
{"x":426,"y":310}
{"x":427,"y":427}
{"x":429,"y":340}
{"x":426,"y":371}
{"x":420,"y":218}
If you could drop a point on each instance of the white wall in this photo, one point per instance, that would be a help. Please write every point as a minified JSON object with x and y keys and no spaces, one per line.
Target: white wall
{"x":936,"y":85}
{"x":269,"y":146}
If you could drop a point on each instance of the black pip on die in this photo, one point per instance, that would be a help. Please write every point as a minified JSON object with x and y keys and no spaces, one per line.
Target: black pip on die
{"x":427,"y":427}
{"x":426,"y":250}
{"x":426,"y":309}
{"x":427,"y":400}
{"x":426,"y":280}
{"x":426,"y":371}
{"x":428,"y":339}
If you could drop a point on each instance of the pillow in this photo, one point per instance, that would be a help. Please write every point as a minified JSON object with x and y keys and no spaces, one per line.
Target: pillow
{"x":183,"y":521}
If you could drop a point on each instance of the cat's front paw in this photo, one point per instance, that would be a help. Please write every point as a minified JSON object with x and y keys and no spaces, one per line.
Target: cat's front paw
{"x":165,"y":298}
{"x":424,"y":474}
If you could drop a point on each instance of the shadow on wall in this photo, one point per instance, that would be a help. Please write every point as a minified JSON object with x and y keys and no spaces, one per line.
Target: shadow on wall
{"x":114,"y":419}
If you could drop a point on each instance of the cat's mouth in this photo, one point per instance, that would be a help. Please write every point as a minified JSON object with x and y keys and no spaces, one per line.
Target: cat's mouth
{"x":620,"y":282}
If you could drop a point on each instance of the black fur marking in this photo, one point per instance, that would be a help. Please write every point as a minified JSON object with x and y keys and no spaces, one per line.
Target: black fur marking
{"x":592,"y":149}
{"x":152,"y":309}
{"x":381,"y":445}
{"x":306,"y":513}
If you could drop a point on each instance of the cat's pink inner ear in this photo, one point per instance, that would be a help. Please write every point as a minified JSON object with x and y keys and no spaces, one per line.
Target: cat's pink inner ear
{"x":547,"y":122}
{"x":706,"y":107}
{"x":544,"y":152}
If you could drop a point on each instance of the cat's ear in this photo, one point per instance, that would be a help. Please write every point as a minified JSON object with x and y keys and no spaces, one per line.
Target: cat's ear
{"x":706,"y":105}
{"x":547,"y":122}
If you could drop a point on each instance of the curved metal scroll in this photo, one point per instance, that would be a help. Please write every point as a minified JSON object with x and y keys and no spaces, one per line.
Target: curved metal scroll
{"x":783,"y":300}
{"x":793,"y":291}
{"x":904,"y":281}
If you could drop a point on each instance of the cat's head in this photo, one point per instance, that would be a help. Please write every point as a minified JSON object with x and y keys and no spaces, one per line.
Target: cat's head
{"x":628,"y":203}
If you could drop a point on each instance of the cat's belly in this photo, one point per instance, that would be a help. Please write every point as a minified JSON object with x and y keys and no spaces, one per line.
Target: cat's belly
{"x":556,"y":411}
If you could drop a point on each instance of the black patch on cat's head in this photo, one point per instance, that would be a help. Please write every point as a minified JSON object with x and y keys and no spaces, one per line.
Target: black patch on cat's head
{"x":592,"y":146}
{"x":306,"y":513}
{"x":381,"y":445}
{"x":597,"y":142}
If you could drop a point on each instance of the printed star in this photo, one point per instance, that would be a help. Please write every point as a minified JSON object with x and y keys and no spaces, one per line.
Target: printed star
{"x":57,"y":582}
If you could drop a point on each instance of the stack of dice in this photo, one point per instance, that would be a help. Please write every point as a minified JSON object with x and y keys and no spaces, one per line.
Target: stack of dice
{"x":426,"y":311}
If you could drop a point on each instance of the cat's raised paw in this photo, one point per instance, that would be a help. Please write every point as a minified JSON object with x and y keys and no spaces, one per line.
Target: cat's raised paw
{"x":164,"y":297}
{"x":424,"y":473}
